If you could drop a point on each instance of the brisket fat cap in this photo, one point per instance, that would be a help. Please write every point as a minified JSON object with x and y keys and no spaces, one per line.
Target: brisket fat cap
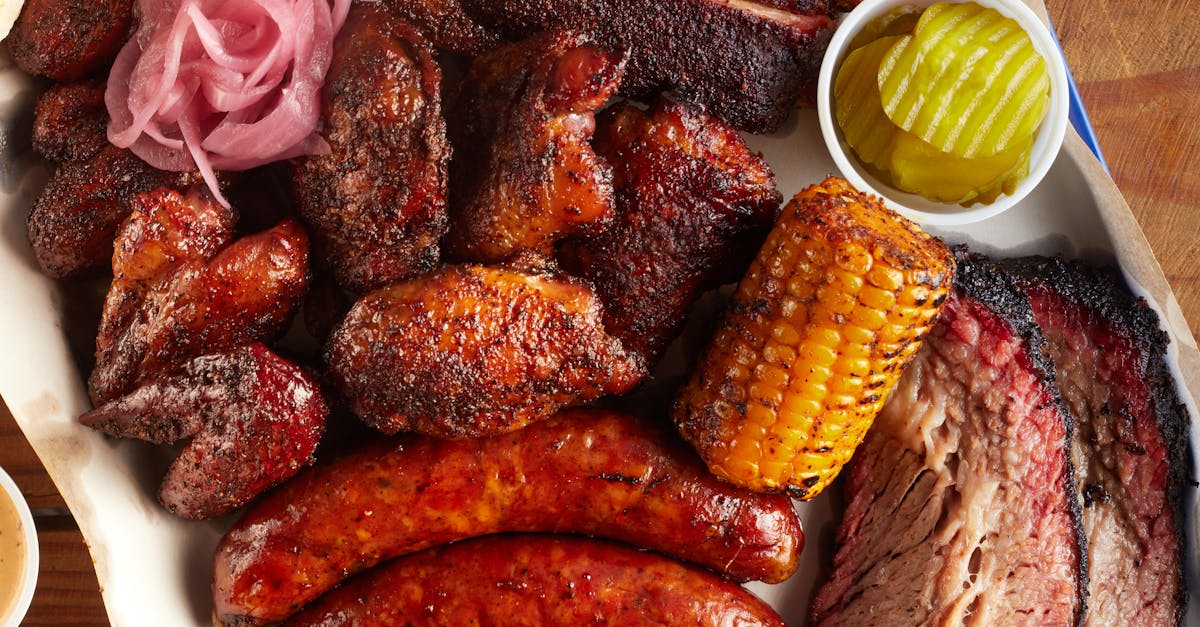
{"x":958,"y":501}
{"x":1129,"y":449}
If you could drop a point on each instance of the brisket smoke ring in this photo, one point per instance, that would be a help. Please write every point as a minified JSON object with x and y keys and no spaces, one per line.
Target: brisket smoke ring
{"x":1130,"y":445}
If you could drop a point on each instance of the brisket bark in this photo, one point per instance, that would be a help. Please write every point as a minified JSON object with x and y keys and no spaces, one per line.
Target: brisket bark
{"x":1129,"y":450}
{"x":960,"y":508}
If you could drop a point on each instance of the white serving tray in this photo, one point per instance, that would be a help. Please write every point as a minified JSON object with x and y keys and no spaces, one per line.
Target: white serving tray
{"x":155,"y":569}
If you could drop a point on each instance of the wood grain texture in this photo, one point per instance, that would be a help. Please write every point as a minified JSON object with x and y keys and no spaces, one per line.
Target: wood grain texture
{"x":23,"y":465}
{"x":1138,"y":69}
{"x":67,"y":592}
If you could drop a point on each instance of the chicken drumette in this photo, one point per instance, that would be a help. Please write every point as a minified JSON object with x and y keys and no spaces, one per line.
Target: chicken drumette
{"x":377,"y":203}
{"x":181,"y":290}
{"x":523,"y":174}
{"x":693,"y":205}
{"x":254,"y":419}
{"x":470,"y":351}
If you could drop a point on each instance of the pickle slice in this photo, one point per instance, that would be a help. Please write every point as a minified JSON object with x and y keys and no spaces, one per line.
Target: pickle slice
{"x":867,"y":129}
{"x":899,"y":21}
{"x":968,"y":81}
{"x":920,"y":168}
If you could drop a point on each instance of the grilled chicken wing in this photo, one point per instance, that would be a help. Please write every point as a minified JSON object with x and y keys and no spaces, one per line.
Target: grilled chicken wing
{"x":74,"y":220}
{"x":69,"y":121}
{"x":377,"y":204}
{"x":470,"y":351}
{"x":179,"y":292}
{"x":69,"y":39}
{"x":524,"y":175}
{"x":692,"y":201}
{"x":254,"y":420}
{"x":446,"y":24}
{"x":746,"y":61}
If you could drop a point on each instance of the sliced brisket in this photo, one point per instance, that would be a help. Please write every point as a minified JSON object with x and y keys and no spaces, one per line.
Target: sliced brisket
{"x":1130,"y":444}
{"x":959,"y":502}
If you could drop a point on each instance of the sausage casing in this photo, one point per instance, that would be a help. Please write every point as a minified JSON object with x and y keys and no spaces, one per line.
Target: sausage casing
{"x":588,"y":472}
{"x":537,"y":580}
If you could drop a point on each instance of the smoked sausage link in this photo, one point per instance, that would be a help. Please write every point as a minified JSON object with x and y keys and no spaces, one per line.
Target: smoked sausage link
{"x":588,"y":472}
{"x":537,"y":580}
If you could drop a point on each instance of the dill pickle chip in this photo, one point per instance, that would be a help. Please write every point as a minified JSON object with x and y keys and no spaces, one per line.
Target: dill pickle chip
{"x":899,"y":21}
{"x":867,"y":129}
{"x":920,"y":168}
{"x":968,"y":81}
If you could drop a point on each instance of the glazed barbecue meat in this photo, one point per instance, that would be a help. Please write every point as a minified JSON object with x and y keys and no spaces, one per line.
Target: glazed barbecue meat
{"x":254,"y":420}
{"x":691,"y":201}
{"x":538,"y":579}
{"x":69,"y":39}
{"x":468,"y":351}
{"x":748,"y":63}
{"x":1130,"y":440}
{"x":179,"y":292}
{"x":959,"y":506}
{"x":69,"y":121}
{"x":74,"y":220}
{"x":377,"y":204}
{"x":524,"y":175}
{"x":584,"y":472}
{"x":446,"y":25}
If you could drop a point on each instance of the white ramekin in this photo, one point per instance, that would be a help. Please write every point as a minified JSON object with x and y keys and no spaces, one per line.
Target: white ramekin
{"x":1045,"y":147}
{"x":29,"y":579}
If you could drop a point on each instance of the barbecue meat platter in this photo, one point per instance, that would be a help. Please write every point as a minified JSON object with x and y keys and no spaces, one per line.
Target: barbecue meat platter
{"x":528,"y":312}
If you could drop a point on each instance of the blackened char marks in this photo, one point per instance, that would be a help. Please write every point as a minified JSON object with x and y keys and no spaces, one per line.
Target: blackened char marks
{"x":747,"y":62}
{"x":959,"y":500}
{"x":1130,"y":444}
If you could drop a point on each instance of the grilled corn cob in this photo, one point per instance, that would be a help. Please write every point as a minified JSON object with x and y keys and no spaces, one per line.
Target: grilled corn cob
{"x":813,"y":342}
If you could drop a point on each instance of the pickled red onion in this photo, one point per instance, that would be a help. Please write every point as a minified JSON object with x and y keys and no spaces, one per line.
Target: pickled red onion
{"x":223,"y":84}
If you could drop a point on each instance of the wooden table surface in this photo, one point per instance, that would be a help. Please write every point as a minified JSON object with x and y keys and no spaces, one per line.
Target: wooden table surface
{"x":1138,"y":68}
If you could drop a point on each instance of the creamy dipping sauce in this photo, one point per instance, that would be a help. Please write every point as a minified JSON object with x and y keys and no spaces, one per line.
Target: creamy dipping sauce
{"x":12,"y":555}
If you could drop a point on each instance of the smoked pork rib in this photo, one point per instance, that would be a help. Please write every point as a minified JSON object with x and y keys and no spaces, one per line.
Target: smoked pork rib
{"x":747,"y":62}
{"x":1129,"y":450}
{"x":959,"y":502}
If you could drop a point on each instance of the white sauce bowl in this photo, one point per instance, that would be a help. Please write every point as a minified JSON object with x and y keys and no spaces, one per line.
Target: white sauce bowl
{"x":32,"y":561}
{"x":1045,"y":147}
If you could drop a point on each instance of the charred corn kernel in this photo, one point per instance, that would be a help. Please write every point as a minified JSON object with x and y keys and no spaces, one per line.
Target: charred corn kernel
{"x":822,"y":344}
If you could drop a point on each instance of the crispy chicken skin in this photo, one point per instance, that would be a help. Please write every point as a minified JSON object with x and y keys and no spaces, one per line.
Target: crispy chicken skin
{"x":179,"y":292}
{"x":747,"y":62}
{"x":446,"y":25}
{"x":469,"y":351}
{"x":69,"y":121}
{"x":74,"y":220}
{"x":524,"y":175}
{"x":67,"y":40}
{"x":377,"y":203}
{"x":254,"y":420}
{"x":691,"y":201}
